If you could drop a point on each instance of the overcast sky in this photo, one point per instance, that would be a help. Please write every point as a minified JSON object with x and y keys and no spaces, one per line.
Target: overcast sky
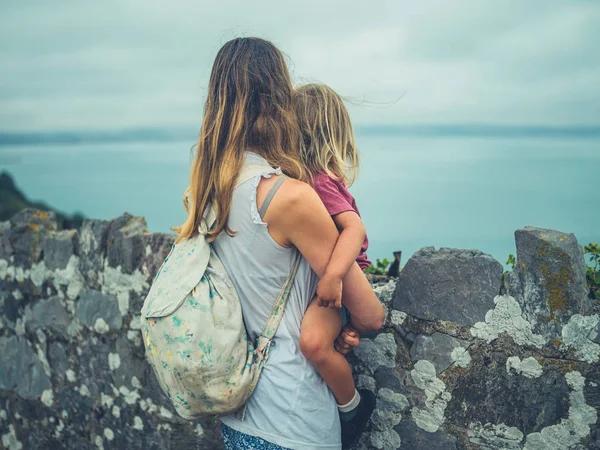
{"x":130,"y":64}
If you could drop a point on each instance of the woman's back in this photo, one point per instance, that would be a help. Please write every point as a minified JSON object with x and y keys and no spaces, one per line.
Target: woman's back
{"x":291,"y":406}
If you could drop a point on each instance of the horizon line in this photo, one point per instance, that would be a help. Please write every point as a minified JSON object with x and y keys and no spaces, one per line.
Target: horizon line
{"x":459,"y":130}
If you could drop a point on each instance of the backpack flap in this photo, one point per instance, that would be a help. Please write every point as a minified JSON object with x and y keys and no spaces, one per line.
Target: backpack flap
{"x":181,"y":271}
{"x":185,"y":265}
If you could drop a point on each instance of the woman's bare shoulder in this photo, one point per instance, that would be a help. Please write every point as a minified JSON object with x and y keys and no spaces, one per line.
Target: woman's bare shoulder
{"x":294,"y":201}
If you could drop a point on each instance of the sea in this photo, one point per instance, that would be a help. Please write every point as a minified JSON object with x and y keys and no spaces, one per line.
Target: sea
{"x":461,"y":190}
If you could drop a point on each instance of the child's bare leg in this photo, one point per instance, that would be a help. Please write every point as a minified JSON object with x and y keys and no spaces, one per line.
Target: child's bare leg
{"x":320,"y":328}
{"x":366,"y":311}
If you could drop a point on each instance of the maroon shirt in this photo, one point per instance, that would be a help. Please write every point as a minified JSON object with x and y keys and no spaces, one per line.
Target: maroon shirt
{"x":337,"y":199}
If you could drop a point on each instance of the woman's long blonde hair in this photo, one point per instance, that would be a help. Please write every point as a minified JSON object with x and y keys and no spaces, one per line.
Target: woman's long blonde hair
{"x":249,"y":106}
{"x":328,"y":139}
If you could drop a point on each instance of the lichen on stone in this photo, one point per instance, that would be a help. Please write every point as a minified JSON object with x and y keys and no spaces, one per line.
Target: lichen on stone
{"x":506,"y":317}
{"x":570,"y":430}
{"x":100,"y":326}
{"x":380,"y":351}
{"x":10,"y":441}
{"x":528,"y":367}
{"x":398,"y":317}
{"x":460,"y":356}
{"x":431,"y":417}
{"x":555,"y":283}
{"x":385,"y":440}
{"x":137,"y":423}
{"x":47,"y":397}
{"x":115,"y":282}
{"x":114,"y":361}
{"x":109,"y":434}
{"x":491,"y":436}
{"x":70,"y":375}
{"x":578,"y":334}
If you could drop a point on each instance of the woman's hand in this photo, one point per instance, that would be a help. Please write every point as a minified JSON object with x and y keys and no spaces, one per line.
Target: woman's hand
{"x":329,"y":292}
{"x":348,"y":339}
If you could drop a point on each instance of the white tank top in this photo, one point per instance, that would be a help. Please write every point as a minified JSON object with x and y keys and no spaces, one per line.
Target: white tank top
{"x":291,"y":405}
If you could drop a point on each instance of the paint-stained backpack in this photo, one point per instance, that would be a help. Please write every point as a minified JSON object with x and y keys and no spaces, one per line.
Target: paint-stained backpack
{"x":193,"y":329}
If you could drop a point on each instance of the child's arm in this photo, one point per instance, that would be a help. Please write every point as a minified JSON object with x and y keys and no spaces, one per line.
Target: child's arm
{"x":347,"y":248}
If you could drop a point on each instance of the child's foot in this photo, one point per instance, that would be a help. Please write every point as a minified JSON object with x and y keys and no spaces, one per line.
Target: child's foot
{"x":355,"y":421}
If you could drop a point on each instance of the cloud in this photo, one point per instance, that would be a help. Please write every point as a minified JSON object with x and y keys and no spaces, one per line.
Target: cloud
{"x":123,"y":64}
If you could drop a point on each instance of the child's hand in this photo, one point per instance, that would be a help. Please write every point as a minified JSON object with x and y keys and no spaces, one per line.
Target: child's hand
{"x":348,"y":339}
{"x":329,"y":292}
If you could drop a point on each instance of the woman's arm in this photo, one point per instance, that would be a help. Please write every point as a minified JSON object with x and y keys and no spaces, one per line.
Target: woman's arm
{"x":297,"y":217}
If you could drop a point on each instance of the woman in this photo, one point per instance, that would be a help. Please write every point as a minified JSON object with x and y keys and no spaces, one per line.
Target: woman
{"x":249,"y":119}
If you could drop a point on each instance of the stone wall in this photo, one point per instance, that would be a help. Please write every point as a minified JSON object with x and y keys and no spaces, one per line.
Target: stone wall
{"x":462,"y":362}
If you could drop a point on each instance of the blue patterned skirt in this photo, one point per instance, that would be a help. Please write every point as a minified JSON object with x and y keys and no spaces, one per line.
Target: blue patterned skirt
{"x":236,"y":440}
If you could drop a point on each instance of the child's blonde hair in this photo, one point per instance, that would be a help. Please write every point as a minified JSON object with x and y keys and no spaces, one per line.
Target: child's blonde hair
{"x":328,"y":141}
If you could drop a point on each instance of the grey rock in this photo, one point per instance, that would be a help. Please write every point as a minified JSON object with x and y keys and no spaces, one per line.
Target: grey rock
{"x":549,"y":279}
{"x":94,"y":305}
{"x":156,"y":248}
{"x":58,"y":358}
{"x":59,"y":247}
{"x":11,"y":309}
{"x":102,"y":384}
{"x":20,"y":369}
{"x":49,"y":314}
{"x":5,"y":247}
{"x":92,"y":250}
{"x":125,"y":242}
{"x":92,"y":238}
{"x":385,"y":440}
{"x":389,"y":409}
{"x":449,"y":284}
{"x":488,"y":393}
{"x":377,"y":352}
{"x":415,"y":438}
{"x":28,"y":229}
{"x":132,"y":364}
{"x":437,"y":348}
{"x":390,"y":378}
{"x":407,"y":335}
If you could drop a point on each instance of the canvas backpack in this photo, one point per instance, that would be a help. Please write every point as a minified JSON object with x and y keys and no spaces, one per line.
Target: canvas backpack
{"x":193,"y":330}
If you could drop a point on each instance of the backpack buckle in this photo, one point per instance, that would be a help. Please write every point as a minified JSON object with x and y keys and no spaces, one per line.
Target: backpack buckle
{"x":262,"y":349}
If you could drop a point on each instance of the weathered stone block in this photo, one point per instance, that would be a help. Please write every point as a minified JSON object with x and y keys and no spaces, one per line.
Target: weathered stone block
{"x":549,"y":279}
{"x":99,"y":311}
{"x":58,"y":248}
{"x":509,"y":389}
{"x":414,"y":437}
{"x":92,"y":237}
{"x":20,"y":369}
{"x":28,"y":230}
{"x":156,"y":248}
{"x":50,"y":314}
{"x":442,"y":350}
{"x":491,"y":391}
{"x":449,"y":284}
{"x":125,"y":242}
{"x":5,"y":247}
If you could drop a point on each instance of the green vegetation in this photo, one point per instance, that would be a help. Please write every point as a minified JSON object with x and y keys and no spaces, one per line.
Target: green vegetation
{"x":511,"y":261}
{"x":592,"y":251}
{"x":379,"y":268}
{"x":12,"y":200}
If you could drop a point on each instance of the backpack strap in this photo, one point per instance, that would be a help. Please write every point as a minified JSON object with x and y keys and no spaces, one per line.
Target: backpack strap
{"x":264,"y":341}
{"x":270,"y":195}
{"x":248,"y":172}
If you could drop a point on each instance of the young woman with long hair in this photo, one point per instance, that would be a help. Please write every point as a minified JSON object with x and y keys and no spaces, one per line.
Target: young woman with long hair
{"x":249,"y":118}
